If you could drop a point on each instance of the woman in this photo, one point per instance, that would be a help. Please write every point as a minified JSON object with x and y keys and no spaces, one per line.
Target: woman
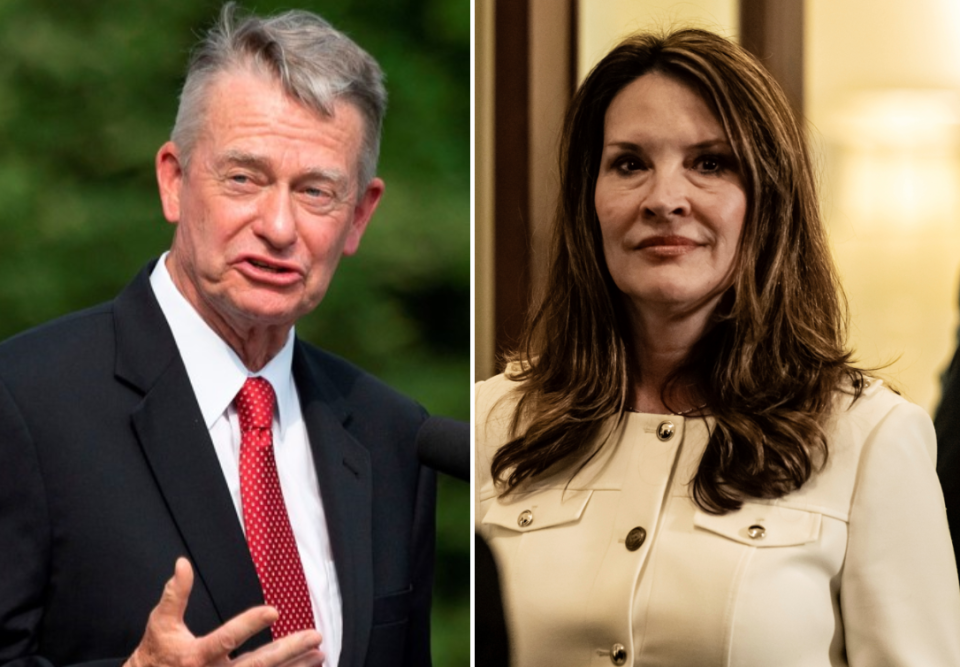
{"x":681,"y":466}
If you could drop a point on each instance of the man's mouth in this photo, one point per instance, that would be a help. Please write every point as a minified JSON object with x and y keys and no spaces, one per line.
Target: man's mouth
{"x":268,"y":267}
{"x":265,"y":270}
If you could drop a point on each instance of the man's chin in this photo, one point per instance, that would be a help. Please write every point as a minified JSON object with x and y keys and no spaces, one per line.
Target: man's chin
{"x":264,"y":311}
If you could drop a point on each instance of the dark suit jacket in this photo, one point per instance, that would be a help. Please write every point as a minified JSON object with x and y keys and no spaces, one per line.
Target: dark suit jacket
{"x":107,"y":474}
{"x":947,"y":423}
{"x":490,"y":633}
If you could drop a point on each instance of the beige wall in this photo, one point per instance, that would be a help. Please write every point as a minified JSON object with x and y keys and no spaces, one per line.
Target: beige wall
{"x":483,"y":266}
{"x":881,"y":80}
{"x":549,"y":93}
{"x":604,"y":23}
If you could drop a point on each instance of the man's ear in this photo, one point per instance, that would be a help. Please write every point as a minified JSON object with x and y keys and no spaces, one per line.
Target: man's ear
{"x":170,"y":179}
{"x":362,"y":213}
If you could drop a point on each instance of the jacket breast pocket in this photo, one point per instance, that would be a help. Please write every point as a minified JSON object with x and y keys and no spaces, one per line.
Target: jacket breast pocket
{"x":760,"y":525}
{"x":769,"y":570}
{"x":549,"y":508}
{"x":388,"y":636}
{"x":554,"y":535}
{"x":393,"y":607}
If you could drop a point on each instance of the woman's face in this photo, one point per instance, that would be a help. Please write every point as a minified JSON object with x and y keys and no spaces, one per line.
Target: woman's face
{"x":669,"y":198}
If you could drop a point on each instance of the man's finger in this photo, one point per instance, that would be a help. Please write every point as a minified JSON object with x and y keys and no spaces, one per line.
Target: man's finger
{"x":298,"y":650}
{"x":309,"y":659}
{"x":231,"y":635}
{"x":176,"y":592}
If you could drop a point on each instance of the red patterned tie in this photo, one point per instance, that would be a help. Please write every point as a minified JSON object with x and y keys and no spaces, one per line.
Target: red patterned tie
{"x":265,"y":519}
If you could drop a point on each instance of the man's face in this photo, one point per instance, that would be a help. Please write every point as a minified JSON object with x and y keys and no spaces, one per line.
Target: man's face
{"x":265,"y":208}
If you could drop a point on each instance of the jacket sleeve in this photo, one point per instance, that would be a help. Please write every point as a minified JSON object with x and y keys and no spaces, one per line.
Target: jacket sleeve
{"x":424,"y":540}
{"x":899,"y":594}
{"x":401,"y":632}
{"x":947,"y":424}
{"x":24,"y":534}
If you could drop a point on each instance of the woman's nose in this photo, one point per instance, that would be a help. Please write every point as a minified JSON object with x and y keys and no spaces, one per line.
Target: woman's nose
{"x":667,"y":195}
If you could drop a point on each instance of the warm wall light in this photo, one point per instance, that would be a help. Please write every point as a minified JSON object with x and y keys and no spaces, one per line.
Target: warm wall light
{"x":881,"y":81}
{"x":893,"y":210}
{"x":898,"y":158}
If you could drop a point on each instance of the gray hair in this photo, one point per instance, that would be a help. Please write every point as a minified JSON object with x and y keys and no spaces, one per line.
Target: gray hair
{"x":315,"y":63}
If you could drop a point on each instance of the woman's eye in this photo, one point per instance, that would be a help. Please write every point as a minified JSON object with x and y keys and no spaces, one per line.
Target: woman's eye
{"x":713,"y":164}
{"x":710,"y":164}
{"x":628,"y":165}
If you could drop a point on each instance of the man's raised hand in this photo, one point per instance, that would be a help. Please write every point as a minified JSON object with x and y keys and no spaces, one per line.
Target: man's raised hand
{"x":167,"y":642}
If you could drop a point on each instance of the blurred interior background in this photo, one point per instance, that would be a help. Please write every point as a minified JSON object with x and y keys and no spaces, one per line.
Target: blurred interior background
{"x":88,"y":93}
{"x":878,"y":82}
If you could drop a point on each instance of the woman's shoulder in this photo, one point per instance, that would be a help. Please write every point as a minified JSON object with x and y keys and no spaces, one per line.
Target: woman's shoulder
{"x":490,"y":394}
{"x":495,"y":401}
{"x":877,"y":410}
{"x":865,"y":434}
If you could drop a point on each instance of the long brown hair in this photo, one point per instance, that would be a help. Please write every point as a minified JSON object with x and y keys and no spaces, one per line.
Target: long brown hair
{"x":774,"y":353}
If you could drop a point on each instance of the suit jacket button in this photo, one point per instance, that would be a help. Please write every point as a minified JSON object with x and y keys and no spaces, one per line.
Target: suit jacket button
{"x":618,"y":654}
{"x":525,"y":518}
{"x":757,"y":532}
{"x":636,"y":538}
{"x":666,"y":430}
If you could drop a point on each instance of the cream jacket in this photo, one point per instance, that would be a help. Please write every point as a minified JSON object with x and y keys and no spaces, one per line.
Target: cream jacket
{"x":619,"y":566}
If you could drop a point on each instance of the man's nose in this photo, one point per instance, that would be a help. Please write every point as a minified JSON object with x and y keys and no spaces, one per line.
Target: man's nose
{"x":277,"y":222}
{"x":667,"y":194}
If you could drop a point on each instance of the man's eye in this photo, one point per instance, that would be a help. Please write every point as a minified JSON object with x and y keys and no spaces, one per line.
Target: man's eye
{"x":240,"y":179}
{"x":320,"y":200}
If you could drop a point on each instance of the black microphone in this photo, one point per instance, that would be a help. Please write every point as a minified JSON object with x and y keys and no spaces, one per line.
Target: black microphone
{"x":444,"y":444}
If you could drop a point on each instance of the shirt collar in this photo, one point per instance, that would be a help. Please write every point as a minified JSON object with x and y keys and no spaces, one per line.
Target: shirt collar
{"x":215,"y":371}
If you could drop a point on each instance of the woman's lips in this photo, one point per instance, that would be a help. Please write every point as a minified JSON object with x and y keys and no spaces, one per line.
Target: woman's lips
{"x":667,"y":246}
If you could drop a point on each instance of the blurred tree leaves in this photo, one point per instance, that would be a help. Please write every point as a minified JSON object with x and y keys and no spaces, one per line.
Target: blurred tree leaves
{"x":88,"y":92}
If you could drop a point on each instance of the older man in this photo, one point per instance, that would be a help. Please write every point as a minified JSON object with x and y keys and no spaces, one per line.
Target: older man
{"x":183,"y":428}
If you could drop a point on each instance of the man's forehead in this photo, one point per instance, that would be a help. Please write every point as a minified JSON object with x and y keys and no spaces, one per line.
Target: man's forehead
{"x":250,"y":119}
{"x":244,"y":83}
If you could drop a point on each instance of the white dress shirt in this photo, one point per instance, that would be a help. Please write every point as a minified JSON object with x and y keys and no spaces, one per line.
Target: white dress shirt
{"x":217,"y":374}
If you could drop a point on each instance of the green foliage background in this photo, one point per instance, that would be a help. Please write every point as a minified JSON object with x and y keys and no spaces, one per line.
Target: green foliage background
{"x":88,"y":92}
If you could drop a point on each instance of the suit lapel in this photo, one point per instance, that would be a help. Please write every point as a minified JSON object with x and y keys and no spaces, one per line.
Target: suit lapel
{"x":175,"y":442}
{"x":344,"y":474}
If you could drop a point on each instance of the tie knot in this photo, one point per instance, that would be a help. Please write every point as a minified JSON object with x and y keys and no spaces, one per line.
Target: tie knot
{"x":255,"y":404}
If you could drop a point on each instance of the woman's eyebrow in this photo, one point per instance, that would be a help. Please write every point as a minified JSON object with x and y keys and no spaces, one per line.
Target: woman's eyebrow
{"x":625,"y":145}
{"x":713,"y":144}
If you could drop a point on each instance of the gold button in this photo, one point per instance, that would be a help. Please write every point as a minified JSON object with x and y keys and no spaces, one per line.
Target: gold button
{"x":635,"y":538}
{"x":618,"y":654}
{"x":525,"y":518}
{"x":757,"y":532}
{"x":666,"y":430}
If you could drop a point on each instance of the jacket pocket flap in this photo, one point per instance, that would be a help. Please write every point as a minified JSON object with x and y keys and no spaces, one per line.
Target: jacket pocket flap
{"x":760,"y":525}
{"x":552,"y":507}
{"x":392,"y":607}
